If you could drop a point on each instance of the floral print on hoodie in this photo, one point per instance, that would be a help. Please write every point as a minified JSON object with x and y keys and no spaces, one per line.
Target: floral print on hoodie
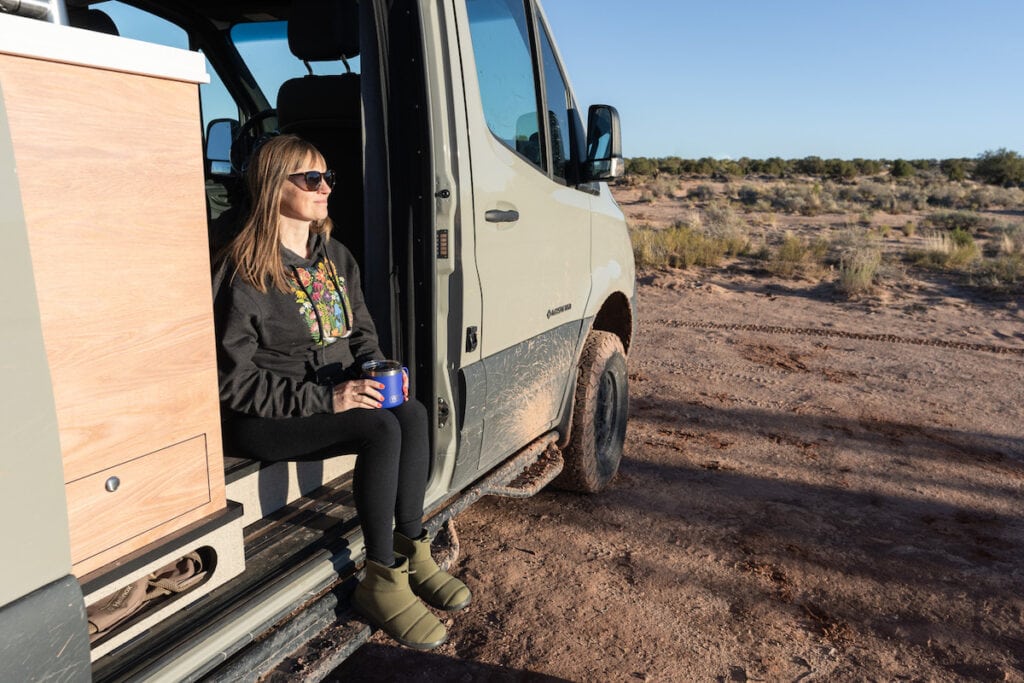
{"x":331,"y":319}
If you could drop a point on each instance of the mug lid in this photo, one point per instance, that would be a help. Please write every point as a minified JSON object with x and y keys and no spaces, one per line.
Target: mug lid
{"x":381,"y":367}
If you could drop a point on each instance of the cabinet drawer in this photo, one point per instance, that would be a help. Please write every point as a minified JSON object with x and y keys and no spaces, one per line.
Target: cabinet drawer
{"x":146,"y":492}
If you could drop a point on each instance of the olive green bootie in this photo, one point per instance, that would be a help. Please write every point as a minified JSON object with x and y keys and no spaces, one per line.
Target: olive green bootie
{"x":437,"y":588}
{"x":385,"y":599}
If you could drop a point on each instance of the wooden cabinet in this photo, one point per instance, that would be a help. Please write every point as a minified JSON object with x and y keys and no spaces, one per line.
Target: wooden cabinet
{"x":107,"y":140}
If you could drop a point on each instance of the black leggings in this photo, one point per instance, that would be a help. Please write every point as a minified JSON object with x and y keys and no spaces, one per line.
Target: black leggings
{"x":392,"y":461}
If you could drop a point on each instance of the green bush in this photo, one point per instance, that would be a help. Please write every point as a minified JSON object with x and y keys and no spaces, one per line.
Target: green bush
{"x":1000,"y":167}
{"x":955,"y":169}
{"x":641,"y":166}
{"x":961,"y":238}
{"x":901,"y":169}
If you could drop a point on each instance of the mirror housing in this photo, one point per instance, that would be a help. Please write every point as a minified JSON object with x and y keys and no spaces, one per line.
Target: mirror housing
{"x":220,"y":134}
{"x":604,"y":144}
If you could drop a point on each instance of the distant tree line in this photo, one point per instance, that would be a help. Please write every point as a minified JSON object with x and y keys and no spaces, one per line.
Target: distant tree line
{"x":999,"y":167}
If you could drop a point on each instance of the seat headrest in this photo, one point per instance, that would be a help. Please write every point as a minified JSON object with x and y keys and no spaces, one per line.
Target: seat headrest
{"x":324,"y":100}
{"x":322,"y":30}
{"x":91,"y":20}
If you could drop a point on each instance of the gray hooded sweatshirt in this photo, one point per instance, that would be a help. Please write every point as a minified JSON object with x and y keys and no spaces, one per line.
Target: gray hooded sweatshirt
{"x":279,"y":354}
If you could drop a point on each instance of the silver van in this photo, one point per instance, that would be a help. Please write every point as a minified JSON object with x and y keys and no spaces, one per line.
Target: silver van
{"x":496,"y":264}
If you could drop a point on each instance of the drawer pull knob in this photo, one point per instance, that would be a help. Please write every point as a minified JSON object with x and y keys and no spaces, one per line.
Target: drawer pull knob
{"x":112,"y":484}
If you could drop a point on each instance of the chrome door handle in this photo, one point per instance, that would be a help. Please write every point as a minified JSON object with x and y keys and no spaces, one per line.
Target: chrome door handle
{"x":499,"y":216}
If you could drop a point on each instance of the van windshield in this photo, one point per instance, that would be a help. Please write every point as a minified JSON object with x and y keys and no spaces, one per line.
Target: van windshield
{"x":263,"y":47}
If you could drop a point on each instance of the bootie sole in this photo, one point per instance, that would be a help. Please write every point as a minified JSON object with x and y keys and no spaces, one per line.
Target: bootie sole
{"x":450,"y":608}
{"x":401,"y":641}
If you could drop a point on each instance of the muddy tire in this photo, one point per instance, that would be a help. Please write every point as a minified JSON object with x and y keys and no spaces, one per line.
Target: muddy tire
{"x":599,"y":416}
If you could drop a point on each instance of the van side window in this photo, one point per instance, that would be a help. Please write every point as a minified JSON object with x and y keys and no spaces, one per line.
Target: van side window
{"x":504,"y":66}
{"x":559,"y":105}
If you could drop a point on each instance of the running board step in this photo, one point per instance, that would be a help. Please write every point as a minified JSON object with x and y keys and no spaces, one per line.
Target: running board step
{"x":503,"y":480}
{"x":534,"y":477}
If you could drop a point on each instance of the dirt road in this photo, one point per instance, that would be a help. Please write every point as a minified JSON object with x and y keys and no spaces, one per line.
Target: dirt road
{"x":811,"y":490}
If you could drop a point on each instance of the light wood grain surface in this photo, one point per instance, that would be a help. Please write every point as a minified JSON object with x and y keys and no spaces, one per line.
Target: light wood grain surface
{"x":110,"y":169}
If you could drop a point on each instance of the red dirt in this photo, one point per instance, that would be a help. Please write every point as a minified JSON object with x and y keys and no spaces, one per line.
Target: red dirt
{"x":812,"y":489}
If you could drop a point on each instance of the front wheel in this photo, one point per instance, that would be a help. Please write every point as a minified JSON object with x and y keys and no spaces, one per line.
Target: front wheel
{"x":599,"y":416}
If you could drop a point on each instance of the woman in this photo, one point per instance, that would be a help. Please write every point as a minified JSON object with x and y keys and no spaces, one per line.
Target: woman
{"x":293,"y":331}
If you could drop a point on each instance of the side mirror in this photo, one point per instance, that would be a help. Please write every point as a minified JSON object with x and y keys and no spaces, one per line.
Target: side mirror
{"x":220,"y":133}
{"x":604,"y":144}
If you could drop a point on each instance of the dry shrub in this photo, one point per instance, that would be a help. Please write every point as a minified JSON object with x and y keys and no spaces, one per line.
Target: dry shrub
{"x":1004,"y":272}
{"x":797,"y":257}
{"x":803,"y":199}
{"x":664,"y":186}
{"x":703,"y":193}
{"x":724,"y":225}
{"x":967,"y":221}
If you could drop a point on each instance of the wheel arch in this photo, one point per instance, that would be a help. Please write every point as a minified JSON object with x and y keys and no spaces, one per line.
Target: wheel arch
{"x":616,"y":316}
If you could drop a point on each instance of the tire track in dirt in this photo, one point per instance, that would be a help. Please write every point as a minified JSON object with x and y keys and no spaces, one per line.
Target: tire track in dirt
{"x":839,"y":334}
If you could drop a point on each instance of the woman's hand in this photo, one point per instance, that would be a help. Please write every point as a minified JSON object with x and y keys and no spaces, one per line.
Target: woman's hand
{"x":357,"y":393}
{"x":405,"y":384}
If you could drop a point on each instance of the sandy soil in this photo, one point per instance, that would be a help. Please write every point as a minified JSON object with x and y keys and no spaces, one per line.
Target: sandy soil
{"x":812,"y":489}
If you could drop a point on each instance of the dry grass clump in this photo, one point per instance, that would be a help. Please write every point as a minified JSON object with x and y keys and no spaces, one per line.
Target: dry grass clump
{"x":702,"y":238}
{"x":1005,"y":270}
{"x":798,"y":257}
{"x":955,"y":250}
{"x":858,"y":270}
{"x":677,"y":247}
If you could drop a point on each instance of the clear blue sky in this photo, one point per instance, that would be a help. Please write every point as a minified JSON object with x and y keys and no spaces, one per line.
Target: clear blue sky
{"x":875,"y":79}
{"x":793,"y":78}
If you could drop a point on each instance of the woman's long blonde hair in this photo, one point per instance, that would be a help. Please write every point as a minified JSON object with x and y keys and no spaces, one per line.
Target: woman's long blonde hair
{"x":255,"y":251}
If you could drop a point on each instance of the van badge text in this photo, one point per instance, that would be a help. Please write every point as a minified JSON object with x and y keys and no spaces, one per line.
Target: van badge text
{"x":560,"y":309}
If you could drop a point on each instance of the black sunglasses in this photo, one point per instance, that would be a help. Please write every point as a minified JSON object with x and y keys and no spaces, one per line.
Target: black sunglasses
{"x":311,"y":179}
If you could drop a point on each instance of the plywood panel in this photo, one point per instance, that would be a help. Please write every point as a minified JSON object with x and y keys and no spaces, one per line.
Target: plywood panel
{"x":151,"y":490}
{"x":110,"y":170}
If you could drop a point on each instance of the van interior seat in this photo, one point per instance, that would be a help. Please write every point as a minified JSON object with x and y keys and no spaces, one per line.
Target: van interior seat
{"x":91,"y":20}
{"x":326,"y":110}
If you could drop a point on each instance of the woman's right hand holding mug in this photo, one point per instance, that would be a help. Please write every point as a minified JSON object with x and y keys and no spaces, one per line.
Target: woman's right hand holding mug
{"x":357,"y":393}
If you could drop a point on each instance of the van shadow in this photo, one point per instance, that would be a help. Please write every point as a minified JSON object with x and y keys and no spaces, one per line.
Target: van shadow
{"x":385,"y":663}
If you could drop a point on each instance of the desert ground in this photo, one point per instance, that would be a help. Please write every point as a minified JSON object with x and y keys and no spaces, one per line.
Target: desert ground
{"x":816,"y":485}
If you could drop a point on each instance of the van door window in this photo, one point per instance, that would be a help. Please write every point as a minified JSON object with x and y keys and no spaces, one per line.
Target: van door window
{"x":132,"y":22}
{"x":504,"y":67}
{"x":559,"y":106}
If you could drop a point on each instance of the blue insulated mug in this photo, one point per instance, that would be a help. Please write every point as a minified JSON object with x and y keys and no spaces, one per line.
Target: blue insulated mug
{"x":388,"y":373}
